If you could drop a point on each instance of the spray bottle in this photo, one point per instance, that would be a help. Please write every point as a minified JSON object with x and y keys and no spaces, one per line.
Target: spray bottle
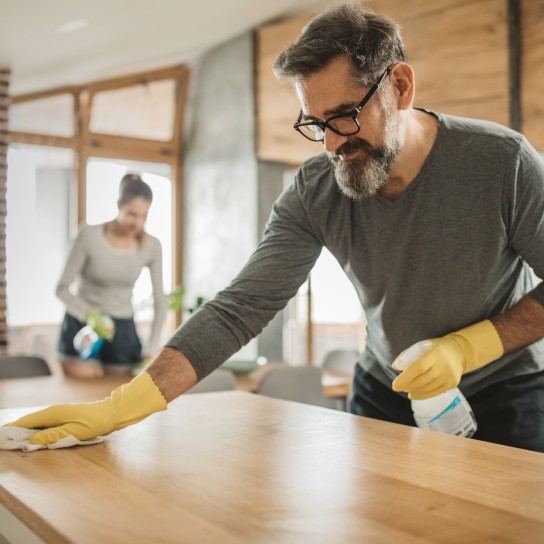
{"x":88,"y":343}
{"x":448,"y":412}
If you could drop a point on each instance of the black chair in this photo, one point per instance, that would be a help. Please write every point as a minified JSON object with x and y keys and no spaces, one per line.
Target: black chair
{"x":22,"y":366}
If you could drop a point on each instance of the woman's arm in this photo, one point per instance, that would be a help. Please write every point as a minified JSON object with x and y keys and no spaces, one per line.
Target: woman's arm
{"x":159,"y":300}
{"x":77,"y":257}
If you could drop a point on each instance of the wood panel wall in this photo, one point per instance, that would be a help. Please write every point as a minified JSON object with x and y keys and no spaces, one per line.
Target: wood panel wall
{"x":532,"y":71}
{"x":4,"y":137}
{"x":459,"y":51}
{"x":277,"y":107}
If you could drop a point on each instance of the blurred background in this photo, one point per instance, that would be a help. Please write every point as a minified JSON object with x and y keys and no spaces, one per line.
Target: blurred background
{"x":183,"y":92}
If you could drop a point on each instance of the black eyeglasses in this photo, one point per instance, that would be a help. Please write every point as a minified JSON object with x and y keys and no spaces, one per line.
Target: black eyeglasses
{"x":343,"y":124}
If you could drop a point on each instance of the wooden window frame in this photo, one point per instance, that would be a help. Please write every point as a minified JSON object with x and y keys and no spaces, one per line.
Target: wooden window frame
{"x":86,"y":144}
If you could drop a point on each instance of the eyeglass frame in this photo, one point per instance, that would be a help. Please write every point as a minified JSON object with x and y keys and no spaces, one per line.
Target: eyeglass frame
{"x":352,"y":113}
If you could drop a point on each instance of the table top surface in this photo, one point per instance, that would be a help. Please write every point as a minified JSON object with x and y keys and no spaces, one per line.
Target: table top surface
{"x":233,"y":467}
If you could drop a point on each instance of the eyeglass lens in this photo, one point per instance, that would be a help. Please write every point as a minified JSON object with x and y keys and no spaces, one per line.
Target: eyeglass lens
{"x":344,"y":125}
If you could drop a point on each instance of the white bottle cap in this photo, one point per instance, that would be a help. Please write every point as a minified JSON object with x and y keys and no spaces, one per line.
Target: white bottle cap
{"x":412,"y":354}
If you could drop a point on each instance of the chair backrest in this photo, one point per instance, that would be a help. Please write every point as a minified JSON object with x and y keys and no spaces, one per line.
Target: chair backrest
{"x":218,"y":380}
{"x":23,"y":366}
{"x":298,"y":383}
{"x":341,"y":360}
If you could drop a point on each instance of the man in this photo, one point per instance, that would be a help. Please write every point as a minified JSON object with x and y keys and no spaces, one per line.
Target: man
{"x":435,"y":219}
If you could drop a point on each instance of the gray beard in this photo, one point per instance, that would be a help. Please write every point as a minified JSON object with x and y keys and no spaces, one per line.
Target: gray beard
{"x":363,"y":177}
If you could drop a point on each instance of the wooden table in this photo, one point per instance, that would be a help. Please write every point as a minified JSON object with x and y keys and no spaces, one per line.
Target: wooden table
{"x":222,"y":468}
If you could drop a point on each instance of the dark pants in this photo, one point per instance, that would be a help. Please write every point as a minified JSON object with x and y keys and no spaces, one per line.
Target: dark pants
{"x":509,"y":412}
{"x":124,"y":348}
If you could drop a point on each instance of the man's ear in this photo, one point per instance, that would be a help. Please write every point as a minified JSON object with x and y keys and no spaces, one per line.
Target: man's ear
{"x":404,"y":84}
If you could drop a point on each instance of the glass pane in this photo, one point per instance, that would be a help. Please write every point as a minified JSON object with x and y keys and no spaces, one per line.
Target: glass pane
{"x":52,"y":116}
{"x":295,"y":330}
{"x":103,"y":177}
{"x":39,"y":192}
{"x":337,"y":316}
{"x":142,"y":111}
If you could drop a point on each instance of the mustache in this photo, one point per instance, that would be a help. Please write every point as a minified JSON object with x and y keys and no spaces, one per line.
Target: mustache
{"x":356,"y":144}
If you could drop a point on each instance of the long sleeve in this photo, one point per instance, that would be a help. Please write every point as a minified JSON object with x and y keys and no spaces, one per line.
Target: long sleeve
{"x":75,"y":305}
{"x":159,"y":300}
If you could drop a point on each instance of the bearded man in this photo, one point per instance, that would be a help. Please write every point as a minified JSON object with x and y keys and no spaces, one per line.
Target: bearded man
{"x":437,"y":221}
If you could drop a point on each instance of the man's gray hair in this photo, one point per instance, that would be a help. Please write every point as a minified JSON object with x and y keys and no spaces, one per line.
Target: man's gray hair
{"x":371,"y":41}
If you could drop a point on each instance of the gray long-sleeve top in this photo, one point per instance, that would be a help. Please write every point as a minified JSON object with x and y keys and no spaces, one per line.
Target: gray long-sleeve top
{"x":455,"y":248}
{"x":107,"y":276}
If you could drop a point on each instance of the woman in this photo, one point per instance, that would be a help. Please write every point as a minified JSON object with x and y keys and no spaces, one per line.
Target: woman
{"x":107,"y":259}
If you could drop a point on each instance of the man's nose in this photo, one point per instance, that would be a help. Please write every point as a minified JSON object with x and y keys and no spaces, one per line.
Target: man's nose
{"x":333,"y":141}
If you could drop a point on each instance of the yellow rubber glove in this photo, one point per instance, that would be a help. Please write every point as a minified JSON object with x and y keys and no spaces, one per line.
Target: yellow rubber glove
{"x":127,"y":405}
{"x":451,"y":356}
{"x":100,"y":323}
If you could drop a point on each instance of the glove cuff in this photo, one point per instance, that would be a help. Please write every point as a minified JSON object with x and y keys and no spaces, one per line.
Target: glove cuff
{"x":480,"y":344}
{"x":92,"y":313}
{"x":136,"y":400}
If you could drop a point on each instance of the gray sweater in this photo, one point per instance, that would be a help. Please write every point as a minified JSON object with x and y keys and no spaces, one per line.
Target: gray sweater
{"x":454,"y":249}
{"x":107,"y":276}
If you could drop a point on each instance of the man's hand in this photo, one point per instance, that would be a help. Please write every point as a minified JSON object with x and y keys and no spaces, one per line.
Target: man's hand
{"x":128,"y":404}
{"x":449,"y":357}
{"x":100,"y":323}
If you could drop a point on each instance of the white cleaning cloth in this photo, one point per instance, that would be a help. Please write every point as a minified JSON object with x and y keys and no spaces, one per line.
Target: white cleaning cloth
{"x":16,"y":438}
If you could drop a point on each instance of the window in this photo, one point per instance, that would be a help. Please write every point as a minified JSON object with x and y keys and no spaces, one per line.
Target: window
{"x":144,"y":111}
{"x":52,"y":115}
{"x":52,"y":189}
{"x":40,"y":186}
{"x":337,"y":316}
